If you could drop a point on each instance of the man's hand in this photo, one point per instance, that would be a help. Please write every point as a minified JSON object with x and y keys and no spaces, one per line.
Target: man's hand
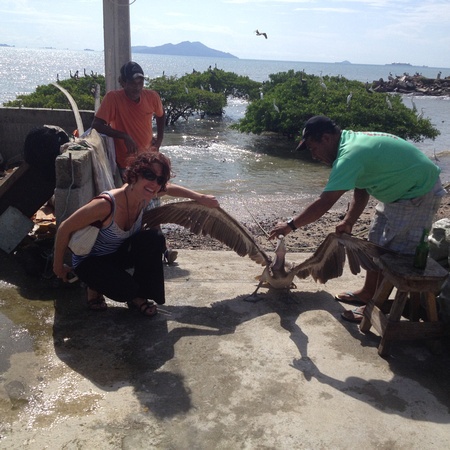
{"x":280,"y":228}
{"x":156,"y":144}
{"x":344,"y":227}
{"x":131,"y":145}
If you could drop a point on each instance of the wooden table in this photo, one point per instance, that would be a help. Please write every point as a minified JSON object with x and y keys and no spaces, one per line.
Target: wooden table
{"x":420,"y":287}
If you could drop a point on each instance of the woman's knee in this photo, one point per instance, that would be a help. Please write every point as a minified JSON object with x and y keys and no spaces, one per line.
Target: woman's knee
{"x":149,"y":241}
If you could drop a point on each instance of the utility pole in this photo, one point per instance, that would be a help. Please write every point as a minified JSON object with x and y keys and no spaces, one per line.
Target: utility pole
{"x":117,"y":39}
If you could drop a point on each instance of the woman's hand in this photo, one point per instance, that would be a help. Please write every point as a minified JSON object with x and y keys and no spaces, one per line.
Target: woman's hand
{"x":208,"y":200}
{"x":62,"y":271}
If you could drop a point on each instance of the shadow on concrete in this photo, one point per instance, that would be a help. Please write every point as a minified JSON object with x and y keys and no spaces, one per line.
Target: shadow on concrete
{"x":120,"y":348}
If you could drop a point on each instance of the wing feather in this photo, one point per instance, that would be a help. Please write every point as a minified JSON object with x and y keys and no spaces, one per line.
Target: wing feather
{"x":214,"y":222}
{"x":328,"y":260}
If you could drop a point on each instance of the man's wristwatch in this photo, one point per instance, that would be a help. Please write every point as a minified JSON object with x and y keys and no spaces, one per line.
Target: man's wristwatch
{"x":291,"y":224}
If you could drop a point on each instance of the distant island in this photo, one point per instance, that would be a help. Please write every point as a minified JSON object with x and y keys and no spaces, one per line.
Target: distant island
{"x":185,"y":48}
{"x":6,"y":45}
{"x":398,"y":64}
{"x":343,"y":62}
{"x":88,"y":50}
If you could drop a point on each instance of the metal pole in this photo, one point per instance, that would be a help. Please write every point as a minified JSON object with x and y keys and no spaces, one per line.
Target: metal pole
{"x":117,"y":39}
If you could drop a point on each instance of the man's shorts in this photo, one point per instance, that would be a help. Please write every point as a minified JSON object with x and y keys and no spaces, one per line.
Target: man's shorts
{"x":399,"y":225}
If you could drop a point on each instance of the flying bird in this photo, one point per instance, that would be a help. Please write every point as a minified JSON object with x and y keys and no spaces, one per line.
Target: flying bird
{"x":260,"y":34}
{"x":326,"y":263}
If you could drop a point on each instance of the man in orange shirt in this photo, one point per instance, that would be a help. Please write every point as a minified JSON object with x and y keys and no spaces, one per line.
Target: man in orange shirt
{"x":127,"y":114}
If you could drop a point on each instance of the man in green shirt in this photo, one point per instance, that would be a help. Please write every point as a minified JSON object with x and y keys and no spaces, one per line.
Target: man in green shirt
{"x":392,"y":170}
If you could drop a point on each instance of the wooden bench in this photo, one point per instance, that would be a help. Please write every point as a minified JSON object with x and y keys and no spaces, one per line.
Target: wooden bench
{"x":420,"y":287}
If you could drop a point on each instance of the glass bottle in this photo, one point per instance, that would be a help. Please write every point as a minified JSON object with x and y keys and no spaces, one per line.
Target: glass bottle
{"x":421,"y":255}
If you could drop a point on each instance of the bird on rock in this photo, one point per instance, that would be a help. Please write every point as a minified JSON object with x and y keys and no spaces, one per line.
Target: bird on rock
{"x":326,"y":263}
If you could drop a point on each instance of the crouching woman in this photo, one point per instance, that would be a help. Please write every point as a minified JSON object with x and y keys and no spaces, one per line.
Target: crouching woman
{"x":121,"y":243}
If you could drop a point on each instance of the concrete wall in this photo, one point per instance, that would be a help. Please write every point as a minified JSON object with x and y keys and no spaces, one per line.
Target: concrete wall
{"x":16,"y":123}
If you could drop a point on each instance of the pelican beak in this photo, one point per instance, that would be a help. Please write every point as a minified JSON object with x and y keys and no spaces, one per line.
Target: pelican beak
{"x":280,"y":254}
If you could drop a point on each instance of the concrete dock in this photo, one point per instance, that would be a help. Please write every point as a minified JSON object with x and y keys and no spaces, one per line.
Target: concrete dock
{"x":211,"y":371}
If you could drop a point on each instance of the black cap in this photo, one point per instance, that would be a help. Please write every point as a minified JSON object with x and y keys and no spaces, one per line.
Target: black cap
{"x":130,"y":71}
{"x":317,"y":125}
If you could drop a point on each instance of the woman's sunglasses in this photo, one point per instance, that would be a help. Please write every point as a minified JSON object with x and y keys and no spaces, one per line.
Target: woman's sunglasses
{"x":150,"y":176}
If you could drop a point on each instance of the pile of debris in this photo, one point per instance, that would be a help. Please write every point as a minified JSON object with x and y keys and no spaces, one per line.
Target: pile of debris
{"x":416,"y":84}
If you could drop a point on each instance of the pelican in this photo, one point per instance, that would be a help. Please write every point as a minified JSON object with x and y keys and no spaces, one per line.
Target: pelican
{"x":326,"y":263}
{"x":260,"y":34}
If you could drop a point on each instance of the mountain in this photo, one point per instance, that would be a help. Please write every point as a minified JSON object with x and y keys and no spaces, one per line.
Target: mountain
{"x":185,"y":48}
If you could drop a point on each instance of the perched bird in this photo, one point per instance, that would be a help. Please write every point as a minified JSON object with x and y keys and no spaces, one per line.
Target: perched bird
{"x":369,"y":88}
{"x":388,"y":102}
{"x":276,"y":107}
{"x":349,"y":99}
{"x":322,"y":83}
{"x":414,"y":107}
{"x":326,"y":263}
{"x":260,"y":34}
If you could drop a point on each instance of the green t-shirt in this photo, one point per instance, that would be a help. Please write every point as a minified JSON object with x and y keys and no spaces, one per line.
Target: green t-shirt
{"x":388,"y":167}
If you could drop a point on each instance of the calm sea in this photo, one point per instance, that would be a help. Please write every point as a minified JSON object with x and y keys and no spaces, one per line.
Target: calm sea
{"x":206,"y":155}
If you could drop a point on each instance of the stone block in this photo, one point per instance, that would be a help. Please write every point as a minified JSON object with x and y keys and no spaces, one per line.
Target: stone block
{"x":68,"y":201}
{"x":73,"y":168}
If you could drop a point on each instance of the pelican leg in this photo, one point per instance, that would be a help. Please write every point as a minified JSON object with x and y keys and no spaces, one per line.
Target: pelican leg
{"x":253,"y":298}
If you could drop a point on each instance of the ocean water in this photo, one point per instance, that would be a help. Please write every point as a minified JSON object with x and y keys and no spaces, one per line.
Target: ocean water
{"x":207,"y":155}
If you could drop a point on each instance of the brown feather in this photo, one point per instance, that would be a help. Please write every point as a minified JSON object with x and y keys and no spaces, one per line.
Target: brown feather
{"x":214,"y":222}
{"x":328,"y":260}
{"x":326,"y":263}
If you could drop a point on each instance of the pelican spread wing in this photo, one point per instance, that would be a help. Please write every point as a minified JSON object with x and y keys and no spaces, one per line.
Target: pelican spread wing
{"x":327,"y":262}
{"x":214,"y":222}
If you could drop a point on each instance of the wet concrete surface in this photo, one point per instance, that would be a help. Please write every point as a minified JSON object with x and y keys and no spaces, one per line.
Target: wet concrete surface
{"x":211,"y":371}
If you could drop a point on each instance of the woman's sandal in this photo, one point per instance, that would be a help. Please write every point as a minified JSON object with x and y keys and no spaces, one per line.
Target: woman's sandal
{"x":97,"y":303}
{"x":147,"y":308}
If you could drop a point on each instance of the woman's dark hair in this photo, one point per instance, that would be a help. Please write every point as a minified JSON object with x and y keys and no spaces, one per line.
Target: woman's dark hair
{"x":139,"y":164}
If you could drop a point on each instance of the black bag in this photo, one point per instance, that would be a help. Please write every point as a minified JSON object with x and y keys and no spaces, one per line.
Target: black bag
{"x":42,"y":146}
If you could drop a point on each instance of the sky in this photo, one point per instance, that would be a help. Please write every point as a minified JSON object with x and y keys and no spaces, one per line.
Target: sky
{"x":359,"y":31}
